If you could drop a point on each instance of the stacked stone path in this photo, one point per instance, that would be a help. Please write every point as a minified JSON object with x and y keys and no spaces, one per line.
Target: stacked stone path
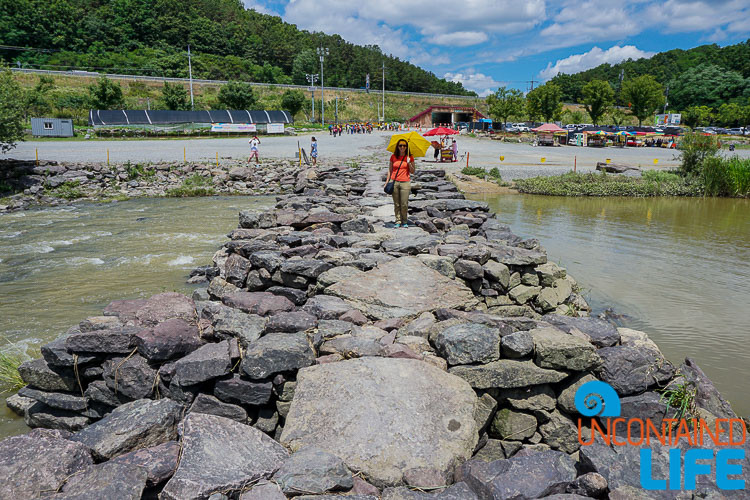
{"x":331,"y":353}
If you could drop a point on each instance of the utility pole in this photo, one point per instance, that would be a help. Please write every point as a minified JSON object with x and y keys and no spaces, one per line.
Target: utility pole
{"x":322,"y":53}
{"x":190,"y":71}
{"x":383,"y":115}
{"x":532,"y":81}
{"x":311,"y":79}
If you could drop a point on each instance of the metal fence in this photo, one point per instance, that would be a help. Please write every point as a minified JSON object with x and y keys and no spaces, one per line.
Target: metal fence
{"x":221,"y":82}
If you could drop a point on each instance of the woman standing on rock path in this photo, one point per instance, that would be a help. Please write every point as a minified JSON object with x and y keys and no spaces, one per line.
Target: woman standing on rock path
{"x":314,"y":151}
{"x":254,"y":143}
{"x":400,"y":168}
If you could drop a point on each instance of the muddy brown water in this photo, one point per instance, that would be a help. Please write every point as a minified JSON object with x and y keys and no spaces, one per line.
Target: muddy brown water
{"x":676,"y":268}
{"x":679,"y":269}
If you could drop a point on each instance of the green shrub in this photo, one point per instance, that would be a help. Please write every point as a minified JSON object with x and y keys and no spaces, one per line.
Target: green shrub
{"x":495,"y":173}
{"x":661,"y":176}
{"x":602,"y":184}
{"x":68,"y":190}
{"x":726,"y":176}
{"x":195,"y":185}
{"x":694,"y":149}
{"x":138,"y":171}
{"x":476,"y":171}
{"x":5,"y":187}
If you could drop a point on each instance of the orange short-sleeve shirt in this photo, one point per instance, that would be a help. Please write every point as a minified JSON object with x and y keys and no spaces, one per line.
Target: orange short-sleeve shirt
{"x":400,"y":170}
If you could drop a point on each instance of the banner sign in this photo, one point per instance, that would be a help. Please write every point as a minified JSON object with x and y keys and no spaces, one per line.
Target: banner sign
{"x":233,"y":127}
{"x":275,"y":128}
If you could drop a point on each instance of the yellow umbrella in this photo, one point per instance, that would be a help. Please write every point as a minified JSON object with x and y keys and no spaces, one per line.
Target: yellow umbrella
{"x":418,"y":145}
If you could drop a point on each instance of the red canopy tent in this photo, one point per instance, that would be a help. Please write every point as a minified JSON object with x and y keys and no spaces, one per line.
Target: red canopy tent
{"x":441,"y":131}
{"x":548,"y":127}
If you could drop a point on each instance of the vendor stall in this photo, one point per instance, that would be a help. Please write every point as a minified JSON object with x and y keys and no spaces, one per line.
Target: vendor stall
{"x":545,"y":134}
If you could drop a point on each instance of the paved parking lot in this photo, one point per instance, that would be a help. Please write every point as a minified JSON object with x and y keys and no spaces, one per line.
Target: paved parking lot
{"x":519,"y":159}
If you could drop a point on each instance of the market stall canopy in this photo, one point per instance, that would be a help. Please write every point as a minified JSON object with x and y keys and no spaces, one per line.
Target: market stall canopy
{"x":548,"y":127}
{"x":441,"y":131}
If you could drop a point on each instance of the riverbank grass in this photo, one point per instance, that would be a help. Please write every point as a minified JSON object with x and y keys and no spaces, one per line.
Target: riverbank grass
{"x":653,"y":183}
{"x":11,"y":357}
{"x":493,"y":175}
{"x":195,"y":185}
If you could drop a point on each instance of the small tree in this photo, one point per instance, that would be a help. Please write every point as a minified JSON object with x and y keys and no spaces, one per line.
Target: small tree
{"x":545,"y":101}
{"x":697,"y":115}
{"x":237,"y":95}
{"x":643,"y":95}
{"x":505,"y":103}
{"x":11,"y":111}
{"x":598,"y":97}
{"x":694,"y":150}
{"x":174,"y":96}
{"x":574,"y":116}
{"x":617,"y":116}
{"x":106,"y":94}
{"x":292,"y":101}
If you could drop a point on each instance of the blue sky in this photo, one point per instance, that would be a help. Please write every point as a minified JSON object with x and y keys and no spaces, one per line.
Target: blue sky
{"x":489,"y":43}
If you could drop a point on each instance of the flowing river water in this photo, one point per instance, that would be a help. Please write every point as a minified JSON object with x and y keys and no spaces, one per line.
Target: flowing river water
{"x":678,"y":269}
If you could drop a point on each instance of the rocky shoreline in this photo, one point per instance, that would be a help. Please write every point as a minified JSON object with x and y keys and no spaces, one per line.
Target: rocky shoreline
{"x":51,"y":183}
{"x":330,"y":353}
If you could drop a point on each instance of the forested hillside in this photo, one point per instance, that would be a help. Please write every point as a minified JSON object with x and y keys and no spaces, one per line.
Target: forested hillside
{"x":708,"y":75}
{"x":227,"y":42}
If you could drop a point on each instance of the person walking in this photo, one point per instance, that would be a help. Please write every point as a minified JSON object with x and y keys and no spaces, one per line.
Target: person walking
{"x":254,"y":144}
{"x":400,"y":168}
{"x":454,"y":148}
{"x":314,"y":151}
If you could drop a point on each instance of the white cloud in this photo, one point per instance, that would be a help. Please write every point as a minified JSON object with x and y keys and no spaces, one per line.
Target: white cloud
{"x":591,"y":59}
{"x":681,"y":16}
{"x":397,"y":25}
{"x":478,"y":82}
{"x":459,"y":38}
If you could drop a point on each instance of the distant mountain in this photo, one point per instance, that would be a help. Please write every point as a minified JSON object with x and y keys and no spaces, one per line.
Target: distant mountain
{"x":707,"y":75}
{"x":227,"y":42}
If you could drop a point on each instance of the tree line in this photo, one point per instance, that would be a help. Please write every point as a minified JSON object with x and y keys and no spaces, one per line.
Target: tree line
{"x":708,"y":84}
{"x":642,"y":96}
{"x":227,"y":42}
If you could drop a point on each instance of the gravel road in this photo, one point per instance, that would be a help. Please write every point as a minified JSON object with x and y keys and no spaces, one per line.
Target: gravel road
{"x":520,"y":160}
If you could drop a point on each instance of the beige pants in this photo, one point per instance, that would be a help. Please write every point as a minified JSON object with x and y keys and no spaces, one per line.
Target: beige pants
{"x":400,"y":195}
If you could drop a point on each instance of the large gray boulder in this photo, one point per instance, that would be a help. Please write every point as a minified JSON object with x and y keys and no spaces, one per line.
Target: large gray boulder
{"x":599,"y":332}
{"x":559,"y":350}
{"x":468,"y":343}
{"x":507,"y":374}
{"x":221,"y":455}
{"x":37,"y":373}
{"x":312,"y":471}
{"x":277,"y":352}
{"x":107,"y":480}
{"x":140,"y":424}
{"x":631,"y":369}
{"x":158,"y":461}
{"x":402,"y":287}
{"x":172,"y":338}
{"x":206,"y":363}
{"x":383,"y":416}
{"x":39,"y":461}
{"x":529,"y":475}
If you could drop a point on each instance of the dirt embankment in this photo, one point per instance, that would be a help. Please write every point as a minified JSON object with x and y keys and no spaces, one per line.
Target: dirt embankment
{"x":469,"y":184}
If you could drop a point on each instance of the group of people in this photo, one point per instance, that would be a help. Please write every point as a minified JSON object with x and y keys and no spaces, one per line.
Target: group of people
{"x":443,"y":144}
{"x":350,"y":128}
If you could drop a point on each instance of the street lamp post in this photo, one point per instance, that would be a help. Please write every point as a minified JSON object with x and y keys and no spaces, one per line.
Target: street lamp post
{"x":322,"y":53}
{"x":311,"y":79}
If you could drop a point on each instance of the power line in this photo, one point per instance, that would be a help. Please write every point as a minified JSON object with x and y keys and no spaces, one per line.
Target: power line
{"x":15,"y":47}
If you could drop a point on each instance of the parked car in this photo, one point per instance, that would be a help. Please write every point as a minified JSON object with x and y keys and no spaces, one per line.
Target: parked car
{"x":511,"y":128}
{"x":571,"y":126}
{"x":735,"y":131}
{"x":522,"y":128}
